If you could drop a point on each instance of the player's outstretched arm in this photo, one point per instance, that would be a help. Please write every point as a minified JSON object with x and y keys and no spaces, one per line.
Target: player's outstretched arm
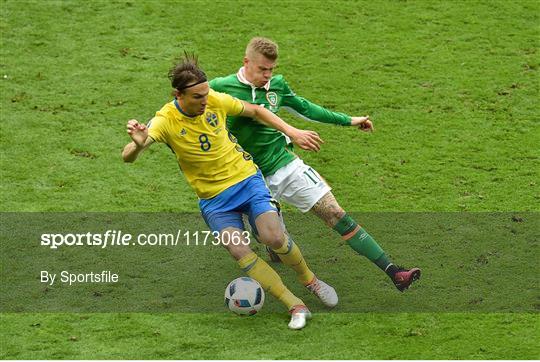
{"x":300,"y":106}
{"x":139,"y":134}
{"x":307,"y":140}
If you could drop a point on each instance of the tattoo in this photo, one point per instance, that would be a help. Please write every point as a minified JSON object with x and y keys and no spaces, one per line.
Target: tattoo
{"x":328,"y":209}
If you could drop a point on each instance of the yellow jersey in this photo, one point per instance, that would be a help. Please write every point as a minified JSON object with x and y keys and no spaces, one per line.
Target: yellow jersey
{"x":207,"y":153}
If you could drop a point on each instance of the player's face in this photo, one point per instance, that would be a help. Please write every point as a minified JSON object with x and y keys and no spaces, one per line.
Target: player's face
{"x":193,"y":100}
{"x":258,"y":69}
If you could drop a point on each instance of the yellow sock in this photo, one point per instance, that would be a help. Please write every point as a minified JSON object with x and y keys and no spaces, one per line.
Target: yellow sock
{"x":267,"y":277}
{"x":290,"y":255}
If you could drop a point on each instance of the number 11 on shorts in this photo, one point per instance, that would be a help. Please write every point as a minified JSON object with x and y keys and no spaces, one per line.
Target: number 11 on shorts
{"x":310,"y":173}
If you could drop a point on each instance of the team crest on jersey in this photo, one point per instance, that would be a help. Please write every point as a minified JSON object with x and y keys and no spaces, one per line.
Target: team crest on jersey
{"x":183,"y":132}
{"x":272,"y":99}
{"x":212,"y":119}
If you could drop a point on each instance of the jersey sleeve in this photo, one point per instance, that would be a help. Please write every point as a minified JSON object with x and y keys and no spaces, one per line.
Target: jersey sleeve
{"x":305,"y":109}
{"x":214,"y":84}
{"x":156,"y":128}
{"x":232,"y":105}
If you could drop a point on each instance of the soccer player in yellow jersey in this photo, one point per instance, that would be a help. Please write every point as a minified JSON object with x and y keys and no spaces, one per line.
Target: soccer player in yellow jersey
{"x":226,"y":180}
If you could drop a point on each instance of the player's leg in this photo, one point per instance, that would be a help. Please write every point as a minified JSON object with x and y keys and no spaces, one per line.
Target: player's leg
{"x":303,"y":187}
{"x":271,"y":234}
{"x":238,"y":246}
{"x":259,"y":270}
{"x":265,"y":219}
{"x":328,"y":209}
{"x":222,"y":214}
{"x":253,"y":230}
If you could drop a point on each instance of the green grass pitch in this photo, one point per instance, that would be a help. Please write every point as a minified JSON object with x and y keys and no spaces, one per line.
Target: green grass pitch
{"x":448,"y":181}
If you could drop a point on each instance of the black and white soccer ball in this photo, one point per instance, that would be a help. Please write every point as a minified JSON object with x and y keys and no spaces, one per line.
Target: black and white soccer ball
{"x":244,"y":296}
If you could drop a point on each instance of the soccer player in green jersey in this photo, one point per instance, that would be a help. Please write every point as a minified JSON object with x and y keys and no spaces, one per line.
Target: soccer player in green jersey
{"x":290,"y":180}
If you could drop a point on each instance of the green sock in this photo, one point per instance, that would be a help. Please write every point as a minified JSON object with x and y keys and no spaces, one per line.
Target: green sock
{"x":361,"y":242}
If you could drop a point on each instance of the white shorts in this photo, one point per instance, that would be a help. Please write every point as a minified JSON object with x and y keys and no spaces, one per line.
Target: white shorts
{"x":297,"y":184}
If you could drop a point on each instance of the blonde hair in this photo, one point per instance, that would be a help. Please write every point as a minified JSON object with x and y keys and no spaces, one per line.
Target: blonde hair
{"x":262,"y":46}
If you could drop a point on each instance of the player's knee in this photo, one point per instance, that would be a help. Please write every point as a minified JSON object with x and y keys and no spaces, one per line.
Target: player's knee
{"x":237,"y":251}
{"x":273,"y":238}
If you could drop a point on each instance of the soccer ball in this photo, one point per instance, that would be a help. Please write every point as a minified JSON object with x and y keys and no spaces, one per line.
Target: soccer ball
{"x":244,"y":296}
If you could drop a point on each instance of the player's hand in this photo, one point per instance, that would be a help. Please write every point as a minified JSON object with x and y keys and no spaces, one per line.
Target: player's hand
{"x":307,"y":140}
{"x":363,"y":123}
{"x":137,"y":131}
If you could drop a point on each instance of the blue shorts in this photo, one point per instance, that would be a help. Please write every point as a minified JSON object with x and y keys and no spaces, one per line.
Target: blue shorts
{"x":250,"y":197}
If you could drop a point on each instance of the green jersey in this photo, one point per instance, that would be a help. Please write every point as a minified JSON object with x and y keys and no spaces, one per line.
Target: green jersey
{"x":271,"y":149}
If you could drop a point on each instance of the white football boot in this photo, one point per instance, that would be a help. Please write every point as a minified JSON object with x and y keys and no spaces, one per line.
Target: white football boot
{"x":299,"y":316}
{"x":326,"y":294}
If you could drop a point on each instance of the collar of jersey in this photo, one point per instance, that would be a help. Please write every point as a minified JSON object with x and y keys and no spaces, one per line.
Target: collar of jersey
{"x":242,"y":79}
{"x":177,"y":105}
